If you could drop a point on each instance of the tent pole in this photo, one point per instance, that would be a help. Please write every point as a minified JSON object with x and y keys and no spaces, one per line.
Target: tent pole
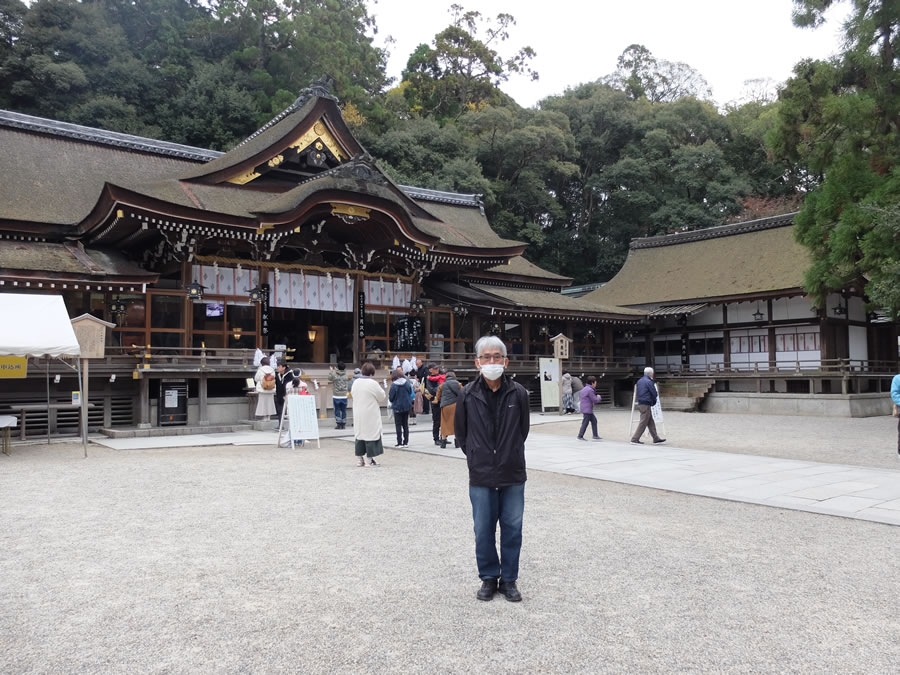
{"x":47,"y":368}
{"x":82,"y":378}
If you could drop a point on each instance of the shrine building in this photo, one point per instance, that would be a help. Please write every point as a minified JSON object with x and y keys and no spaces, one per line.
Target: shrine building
{"x":294,"y":239}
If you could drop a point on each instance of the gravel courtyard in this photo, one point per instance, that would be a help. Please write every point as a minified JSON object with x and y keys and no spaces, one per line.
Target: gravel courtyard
{"x":255,"y":559}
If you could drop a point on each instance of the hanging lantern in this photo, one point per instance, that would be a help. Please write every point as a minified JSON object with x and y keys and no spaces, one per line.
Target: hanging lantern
{"x":195,"y":291}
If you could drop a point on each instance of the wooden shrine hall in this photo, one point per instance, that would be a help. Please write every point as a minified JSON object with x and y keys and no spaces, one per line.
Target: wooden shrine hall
{"x":294,"y":237}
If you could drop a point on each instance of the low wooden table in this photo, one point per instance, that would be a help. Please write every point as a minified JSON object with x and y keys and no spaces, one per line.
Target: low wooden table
{"x":31,"y":407}
{"x":7,"y":422}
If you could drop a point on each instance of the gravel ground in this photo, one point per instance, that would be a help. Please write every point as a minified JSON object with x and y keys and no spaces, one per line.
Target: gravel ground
{"x":255,"y":559}
{"x":862,"y":441}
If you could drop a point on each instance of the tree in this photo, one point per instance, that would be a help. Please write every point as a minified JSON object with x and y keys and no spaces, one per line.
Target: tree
{"x":462,"y":71}
{"x":841,"y":119}
{"x":641,"y":75}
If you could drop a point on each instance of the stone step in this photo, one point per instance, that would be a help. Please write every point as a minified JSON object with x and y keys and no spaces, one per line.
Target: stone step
{"x":126,"y":432}
{"x":680,"y":403}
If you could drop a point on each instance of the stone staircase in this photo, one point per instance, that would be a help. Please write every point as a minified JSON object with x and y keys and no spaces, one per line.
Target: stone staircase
{"x":127,"y":432}
{"x":684,"y":395}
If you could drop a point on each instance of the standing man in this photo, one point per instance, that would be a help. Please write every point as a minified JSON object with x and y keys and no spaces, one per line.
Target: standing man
{"x":491,"y":425}
{"x":432,"y":382}
{"x":646,"y":399}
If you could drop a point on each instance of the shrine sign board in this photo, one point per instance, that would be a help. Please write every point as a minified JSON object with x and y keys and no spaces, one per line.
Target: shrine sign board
{"x":91,"y":335}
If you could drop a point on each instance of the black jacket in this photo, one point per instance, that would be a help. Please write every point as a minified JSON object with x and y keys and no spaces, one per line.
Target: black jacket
{"x":494,"y":446}
{"x":281,"y":382}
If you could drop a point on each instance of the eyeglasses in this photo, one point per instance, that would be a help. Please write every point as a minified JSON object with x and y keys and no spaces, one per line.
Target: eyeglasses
{"x":492,"y":358}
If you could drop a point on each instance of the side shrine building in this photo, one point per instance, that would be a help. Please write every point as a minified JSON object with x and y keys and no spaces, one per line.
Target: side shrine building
{"x":294,"y":240}
{"x":728,"y":322}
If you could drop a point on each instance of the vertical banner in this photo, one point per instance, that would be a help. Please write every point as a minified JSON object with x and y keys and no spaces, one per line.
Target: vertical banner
{"x":685,"y":357}
{"x":326,"y":294}
{"x":549,"y":375}
{"x":264,"y":309}
{"x":361,"y":328}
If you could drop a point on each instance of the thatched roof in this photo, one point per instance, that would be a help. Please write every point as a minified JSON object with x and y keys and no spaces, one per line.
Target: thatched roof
{"x":743,"y":259}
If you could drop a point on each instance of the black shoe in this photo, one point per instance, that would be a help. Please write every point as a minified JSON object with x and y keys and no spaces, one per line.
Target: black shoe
{"x":443,"y":443}
{"x":509,"y":591}
{"x":581,"y":438}
{"x":487,"y":590}
{"x":660,"y":440}
{"x":437,"y":442}
{"x":637,"y":442}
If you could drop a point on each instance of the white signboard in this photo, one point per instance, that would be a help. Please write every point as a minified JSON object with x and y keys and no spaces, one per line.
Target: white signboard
{"x":302,"y":424}
{"x":549,"y":376}
{"x":171,"y":398}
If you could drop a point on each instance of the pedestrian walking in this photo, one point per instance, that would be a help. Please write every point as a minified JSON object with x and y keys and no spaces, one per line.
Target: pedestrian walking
{"x":492,"y":423}
{"x":568,"y":396}
{"x":368,"y":396}
{"x":646,"y":399}
{"x":446,"y":397}
{"x":400,"y":396}
{"x":895,"y":397}
{"x":265,"y":389}
{"x":587,"y":399}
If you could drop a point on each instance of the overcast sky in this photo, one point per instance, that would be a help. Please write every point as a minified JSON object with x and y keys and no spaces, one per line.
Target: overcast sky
{"x":727,"y":41}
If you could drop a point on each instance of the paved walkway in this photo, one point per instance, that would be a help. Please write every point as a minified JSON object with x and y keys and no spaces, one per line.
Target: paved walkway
{"x":866,"y":493}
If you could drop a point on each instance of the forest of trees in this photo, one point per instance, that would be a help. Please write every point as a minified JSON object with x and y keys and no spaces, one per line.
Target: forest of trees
{"x":639,"y":151}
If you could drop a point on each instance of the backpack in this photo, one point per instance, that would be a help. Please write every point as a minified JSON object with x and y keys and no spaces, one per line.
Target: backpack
{"x":268,"y":382}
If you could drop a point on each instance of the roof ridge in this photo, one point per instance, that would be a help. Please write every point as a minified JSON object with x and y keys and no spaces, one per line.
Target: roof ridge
{"x":15,"y":120}
{"x":320,"y":88}
{"x":715,"y":232}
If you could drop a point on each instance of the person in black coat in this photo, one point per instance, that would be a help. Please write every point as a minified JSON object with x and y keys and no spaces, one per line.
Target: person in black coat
{"x":282,"y":377}
{"x":400,"y":396}
{"x":491,"y":424}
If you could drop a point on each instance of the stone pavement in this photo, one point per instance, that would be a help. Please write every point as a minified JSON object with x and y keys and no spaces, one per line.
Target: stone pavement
{"x":866,"y":493}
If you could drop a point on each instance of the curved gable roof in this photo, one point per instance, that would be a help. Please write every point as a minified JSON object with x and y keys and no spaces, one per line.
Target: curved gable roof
{"x":754,"y":257}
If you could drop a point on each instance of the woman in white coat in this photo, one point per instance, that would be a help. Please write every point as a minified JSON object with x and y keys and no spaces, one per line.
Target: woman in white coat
{"x":368,"y":396}
{"x":265,"y":389}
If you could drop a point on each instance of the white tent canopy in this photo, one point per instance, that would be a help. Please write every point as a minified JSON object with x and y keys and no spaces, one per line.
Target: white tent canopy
{"x":36,"y":325}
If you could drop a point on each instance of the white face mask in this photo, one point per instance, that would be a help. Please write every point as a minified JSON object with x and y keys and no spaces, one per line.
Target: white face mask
{"x":492,"y":371}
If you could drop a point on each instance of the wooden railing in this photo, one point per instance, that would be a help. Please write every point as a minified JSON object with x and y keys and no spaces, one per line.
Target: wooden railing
{"x":798,"y":367}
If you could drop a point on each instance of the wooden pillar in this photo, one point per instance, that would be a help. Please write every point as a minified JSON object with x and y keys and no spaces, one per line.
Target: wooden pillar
{"x":203,"y":400}
{"x":608,"y":341}
{"x":143,"y":403}
{"x":525,"y":329}
{"x":357,"y":289}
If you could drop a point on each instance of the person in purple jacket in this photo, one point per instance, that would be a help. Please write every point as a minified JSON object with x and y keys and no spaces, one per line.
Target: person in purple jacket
{"x":587,"y":398}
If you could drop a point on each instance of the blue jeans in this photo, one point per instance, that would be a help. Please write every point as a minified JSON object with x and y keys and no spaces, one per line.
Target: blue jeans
{"x":340,"y":410}
{"x":490,"y":506}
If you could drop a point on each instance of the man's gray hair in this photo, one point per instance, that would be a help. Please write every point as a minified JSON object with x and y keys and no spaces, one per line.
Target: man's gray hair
{"x":488,"y":342}
{"x":648,"y":370}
